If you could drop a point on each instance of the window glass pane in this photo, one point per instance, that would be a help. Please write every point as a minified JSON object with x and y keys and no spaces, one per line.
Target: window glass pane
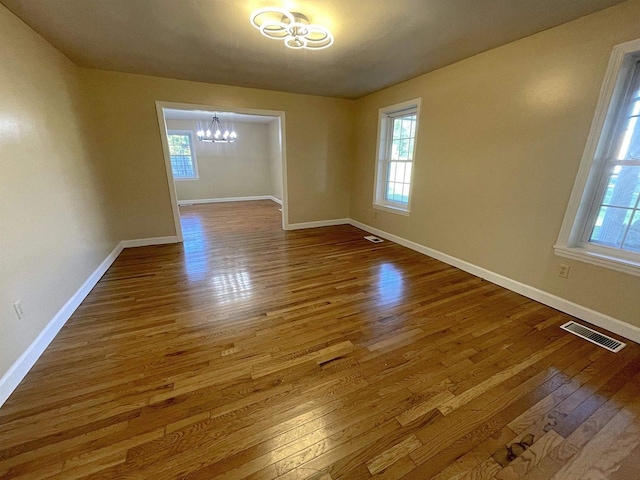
{"x":623,"y":187}
{"x":406,"y":127}
{"x":394,"y":192}
{"x":397,"y":192}
{"x":403,"y":153}
{"x":179,"y":145}
{"x":390,"y":190}
{"x":610,"y":226}
{"x":180,"y":153}
{"x":397,"y":127}
{"x":630,"y":146}
{"x":401,"y":172}
{"x":182,"y":166}
{"x":405,"y":193}
{"x":395,"y":150}
{"x":632,"y":241}
{"x":400,"y":157}
{"x":393,"y":169}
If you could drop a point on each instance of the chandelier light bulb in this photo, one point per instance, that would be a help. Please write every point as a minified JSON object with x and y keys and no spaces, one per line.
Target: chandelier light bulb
{"x":217,"y":127}
{"x":293,"y":28}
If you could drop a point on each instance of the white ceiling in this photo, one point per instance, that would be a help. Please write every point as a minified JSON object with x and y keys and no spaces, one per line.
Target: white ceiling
{"x":206,"y":116}
{"x":378,"y":43}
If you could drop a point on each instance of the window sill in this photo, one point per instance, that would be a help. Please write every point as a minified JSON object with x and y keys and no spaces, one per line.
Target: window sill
{"x":601,"y":260}
{"x":388,"y":208}
{"x":186,"y":179}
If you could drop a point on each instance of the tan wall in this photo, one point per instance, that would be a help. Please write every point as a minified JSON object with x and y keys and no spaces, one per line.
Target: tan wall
{"x":240,"y":169}
{"x":54,"y":209}
{"x":500,"y":141}
{"x":275,"y":158}
{"x":319,"y":145}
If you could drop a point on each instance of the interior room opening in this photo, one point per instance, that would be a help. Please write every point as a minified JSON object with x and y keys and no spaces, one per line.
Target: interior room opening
{"x":217,"y":158}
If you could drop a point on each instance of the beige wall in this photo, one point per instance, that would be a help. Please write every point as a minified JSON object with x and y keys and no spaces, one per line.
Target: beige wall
{"x":319,"y":145}
{"x":275,"y":158}
{"x":54,"y":208}
{"x":501,"y":137}
{"x":240,"y":169}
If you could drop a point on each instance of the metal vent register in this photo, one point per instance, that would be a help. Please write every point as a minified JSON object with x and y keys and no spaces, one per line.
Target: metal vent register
{"x":374,"y":239}
{"x":592,"y":336}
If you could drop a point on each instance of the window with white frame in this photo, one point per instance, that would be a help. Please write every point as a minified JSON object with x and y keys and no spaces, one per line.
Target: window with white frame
{"x":397,"y":135}
{"x":602,"y":224}
{"x":183,"y":159}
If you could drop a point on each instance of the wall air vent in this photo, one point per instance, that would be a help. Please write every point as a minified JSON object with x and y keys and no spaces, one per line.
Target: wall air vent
{"x":592,"y":336}
{"x":374,"y":239}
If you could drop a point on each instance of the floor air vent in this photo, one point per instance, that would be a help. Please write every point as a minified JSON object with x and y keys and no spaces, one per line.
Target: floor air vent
{"x":374,"y":239}
{"x":593,"y":336}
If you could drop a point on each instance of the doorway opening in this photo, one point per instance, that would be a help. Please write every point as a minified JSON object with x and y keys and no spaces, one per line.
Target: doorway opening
{"x":247,"y":163}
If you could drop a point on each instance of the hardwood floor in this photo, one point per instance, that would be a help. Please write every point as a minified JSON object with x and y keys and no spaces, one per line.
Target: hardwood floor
{"x":249,"y":352}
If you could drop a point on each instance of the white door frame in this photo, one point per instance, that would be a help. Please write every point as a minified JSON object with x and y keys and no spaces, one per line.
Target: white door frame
{"x":160,"y":106}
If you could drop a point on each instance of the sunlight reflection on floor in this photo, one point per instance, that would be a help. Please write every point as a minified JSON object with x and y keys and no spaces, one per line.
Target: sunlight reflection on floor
{"x":390,"y":284}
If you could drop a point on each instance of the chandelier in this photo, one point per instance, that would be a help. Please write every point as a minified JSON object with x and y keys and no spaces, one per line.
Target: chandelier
{"x":217,"y":132}
{"x":292,"y":27}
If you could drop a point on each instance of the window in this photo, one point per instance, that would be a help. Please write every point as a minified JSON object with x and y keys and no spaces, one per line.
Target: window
{"x":397,"y":134}
{"x":183,"y":159}
{"x":602,"y":224}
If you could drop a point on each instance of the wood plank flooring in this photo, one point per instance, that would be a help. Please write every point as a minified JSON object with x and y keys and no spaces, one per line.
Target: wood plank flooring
{"x":249,"y":352}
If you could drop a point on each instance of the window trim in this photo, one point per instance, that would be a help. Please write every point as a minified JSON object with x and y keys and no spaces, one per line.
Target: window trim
{"x":175,"y":131}
{"x":382,"y":144}
{"x":570,"y":243}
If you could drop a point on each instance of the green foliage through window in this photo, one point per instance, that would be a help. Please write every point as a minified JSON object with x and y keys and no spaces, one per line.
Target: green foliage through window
{"x":182,"y":163}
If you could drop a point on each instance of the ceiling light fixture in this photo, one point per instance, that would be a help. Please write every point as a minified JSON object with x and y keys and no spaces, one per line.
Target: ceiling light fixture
{"x":292,"y":27}
{"x":217,"y":132}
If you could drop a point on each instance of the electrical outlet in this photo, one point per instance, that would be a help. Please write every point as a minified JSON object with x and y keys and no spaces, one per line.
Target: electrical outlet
{"x":18,"y":308}
{"x":563,"y":271}
{"x":375,"y":214}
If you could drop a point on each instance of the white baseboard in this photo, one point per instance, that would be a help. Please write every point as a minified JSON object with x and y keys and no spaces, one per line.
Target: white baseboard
{"x":144,"y":242}
{"x":12,"y":378}
{"x":320,"y":223}
{"x":596,"y":318}
{"x":227,"y":199}
{"x":274,"y":199}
